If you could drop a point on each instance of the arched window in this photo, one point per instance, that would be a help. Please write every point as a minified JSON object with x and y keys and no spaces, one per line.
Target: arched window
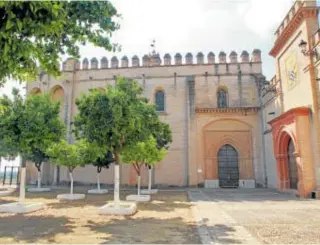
{"x":222,"y":98}
{"x":159,"y":97}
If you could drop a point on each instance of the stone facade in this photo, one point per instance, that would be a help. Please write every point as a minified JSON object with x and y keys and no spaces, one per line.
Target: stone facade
{"x":199,"y":127}
{"x":214,"y":103}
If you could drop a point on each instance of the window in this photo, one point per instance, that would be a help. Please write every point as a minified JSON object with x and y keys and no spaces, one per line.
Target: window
{"x":222,"y":98}
{"x":159,"y":100}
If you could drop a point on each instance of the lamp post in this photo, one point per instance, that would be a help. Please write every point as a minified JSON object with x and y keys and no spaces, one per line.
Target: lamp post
{"x":303,"y":47}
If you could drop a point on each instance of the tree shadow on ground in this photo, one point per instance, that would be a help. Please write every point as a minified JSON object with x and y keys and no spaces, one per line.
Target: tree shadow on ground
{"x":223,"y":234}
{"x":31,"y":229}
{"x":146,"y":230}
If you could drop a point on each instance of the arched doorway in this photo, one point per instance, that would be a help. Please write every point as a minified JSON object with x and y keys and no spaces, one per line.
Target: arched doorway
{"x":228,"y":167}
{"x":292,"y":166}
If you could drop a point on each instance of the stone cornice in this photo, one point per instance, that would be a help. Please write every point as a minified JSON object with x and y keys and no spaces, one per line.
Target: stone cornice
{"x":293,"y":113}
{"x":299,"y":17}
{"x":229,"y":110}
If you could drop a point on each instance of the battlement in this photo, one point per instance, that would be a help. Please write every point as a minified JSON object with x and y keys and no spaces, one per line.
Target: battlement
{"x":298,"y":4}
{"x":155,"y":60}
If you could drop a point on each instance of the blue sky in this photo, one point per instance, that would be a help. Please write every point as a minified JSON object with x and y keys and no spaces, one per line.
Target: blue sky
{"x":195,"y":25}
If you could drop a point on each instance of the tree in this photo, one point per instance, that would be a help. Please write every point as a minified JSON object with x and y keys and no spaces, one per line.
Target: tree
{"x":163,"y":136}
{"x":143,"y":153}
{"x":103,"y":162}
{"x":114,"y":119}
{"x":27,"y":128}
{"x":35,"y":34}
{"x":73,"y":155}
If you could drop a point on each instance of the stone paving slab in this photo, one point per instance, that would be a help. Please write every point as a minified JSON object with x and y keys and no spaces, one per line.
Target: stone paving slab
{"x":236,"y":216}
{"x":214,"y":225}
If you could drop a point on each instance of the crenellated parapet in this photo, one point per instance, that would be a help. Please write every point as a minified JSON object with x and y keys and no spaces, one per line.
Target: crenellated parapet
{"x":301,"y":10}
{"x":155,"y":60}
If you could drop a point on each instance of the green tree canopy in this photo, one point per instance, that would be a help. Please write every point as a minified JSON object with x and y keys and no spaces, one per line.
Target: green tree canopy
{"x":142,"y":153}
{"x":29,"y":127}
{"x":115,"y":118}
{"x":34,"y":34}
{"x":73,"y":155}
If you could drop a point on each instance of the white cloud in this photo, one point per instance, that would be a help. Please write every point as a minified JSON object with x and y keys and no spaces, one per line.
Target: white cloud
{"x":193,"y":26}
{"x":263,"y":16}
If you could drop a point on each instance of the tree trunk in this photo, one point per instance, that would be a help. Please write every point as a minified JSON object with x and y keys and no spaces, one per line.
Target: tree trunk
{"x":139,"y":181}
{"x":150,"y":179}
{"x":71,"y":179}
{"x":39,"y":179}
{"x":116,"y":185}
{"x":22,"y":195}
{"x":98,"y":180}
{"x":55,"y":175}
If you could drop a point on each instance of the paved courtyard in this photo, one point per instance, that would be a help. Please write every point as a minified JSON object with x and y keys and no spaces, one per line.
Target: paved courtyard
{"x":256,"y":216}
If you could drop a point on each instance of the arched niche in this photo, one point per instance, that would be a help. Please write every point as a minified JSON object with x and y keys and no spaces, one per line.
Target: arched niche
{"x":57,"y":94}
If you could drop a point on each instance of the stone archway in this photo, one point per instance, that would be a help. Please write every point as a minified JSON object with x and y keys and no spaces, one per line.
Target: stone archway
{"x":220,"y":134}
{"x":287,"y":160}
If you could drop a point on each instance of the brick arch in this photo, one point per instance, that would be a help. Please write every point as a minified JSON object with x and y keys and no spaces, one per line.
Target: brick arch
{"x":282,"y":139}
{"x":245,"y":125}
{"x":284,"y":135}
{"x":223,"y":132}
{"x":225,"y":141}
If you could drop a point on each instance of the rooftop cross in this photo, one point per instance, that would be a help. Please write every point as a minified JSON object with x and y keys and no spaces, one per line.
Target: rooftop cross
{"x":153,"y":45}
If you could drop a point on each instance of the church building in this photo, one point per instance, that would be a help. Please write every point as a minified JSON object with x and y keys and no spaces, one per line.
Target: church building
{"x":231,"y":127}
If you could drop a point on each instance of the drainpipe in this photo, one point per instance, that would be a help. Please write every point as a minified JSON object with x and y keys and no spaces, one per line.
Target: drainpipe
{"x":259,"y":82}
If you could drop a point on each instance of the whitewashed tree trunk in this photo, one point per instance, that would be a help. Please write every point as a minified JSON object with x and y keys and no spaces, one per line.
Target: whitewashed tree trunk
{"x":139,"y":184}
{"x":117,"y":185}
{"x":98,"y":181}
{"x":55,"y":174}
{"x":150,"y":179}
{"x":39,"y":179}
{"x":22,"y":195}
{"x":71,"y":186}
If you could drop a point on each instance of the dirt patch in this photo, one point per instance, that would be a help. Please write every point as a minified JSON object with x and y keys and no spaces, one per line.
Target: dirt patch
{"x":166,"y":219}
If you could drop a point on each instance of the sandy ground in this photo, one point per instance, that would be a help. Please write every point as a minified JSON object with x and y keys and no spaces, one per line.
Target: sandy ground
{"x":166,"y":219}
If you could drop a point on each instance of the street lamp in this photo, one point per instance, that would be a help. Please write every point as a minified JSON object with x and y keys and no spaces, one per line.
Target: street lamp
{"x":304,"y":51}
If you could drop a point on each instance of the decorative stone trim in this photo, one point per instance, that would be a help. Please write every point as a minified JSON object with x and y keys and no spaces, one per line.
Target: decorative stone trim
{"x":293,"y":113}
{"x":244,"y":110}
